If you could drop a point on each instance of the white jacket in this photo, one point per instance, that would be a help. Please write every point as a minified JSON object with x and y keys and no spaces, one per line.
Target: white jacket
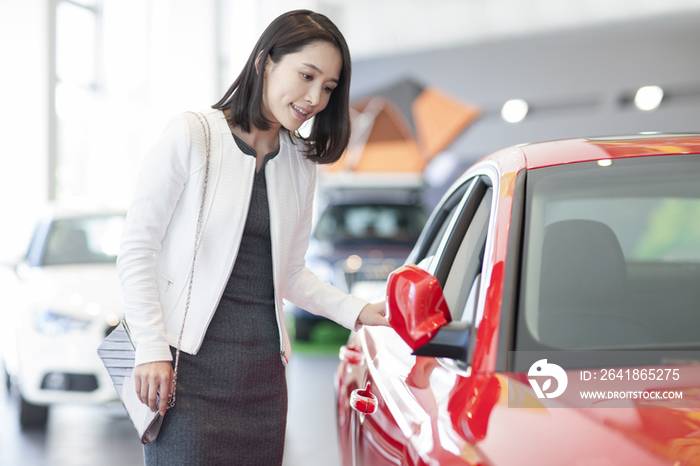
{"x":155,"y":256}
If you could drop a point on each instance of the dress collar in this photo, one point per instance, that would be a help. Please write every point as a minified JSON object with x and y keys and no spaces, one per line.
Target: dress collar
{"x":246,"y":149}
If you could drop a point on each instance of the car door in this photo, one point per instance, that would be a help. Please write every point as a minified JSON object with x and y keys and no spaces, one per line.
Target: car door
{"x":412,"y":422}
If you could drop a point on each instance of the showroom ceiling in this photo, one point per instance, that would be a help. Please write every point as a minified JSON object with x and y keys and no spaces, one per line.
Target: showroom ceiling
{"x":387,"y":27}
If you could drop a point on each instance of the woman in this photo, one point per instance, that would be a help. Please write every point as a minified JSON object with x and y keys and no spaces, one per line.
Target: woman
{"x":231,"y":390}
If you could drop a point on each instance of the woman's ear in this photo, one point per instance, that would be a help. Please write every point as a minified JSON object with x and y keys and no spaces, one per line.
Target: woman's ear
{"x":257,"y":63}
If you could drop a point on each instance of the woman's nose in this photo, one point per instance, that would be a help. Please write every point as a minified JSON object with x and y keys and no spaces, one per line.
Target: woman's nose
{"x":313,"y":97}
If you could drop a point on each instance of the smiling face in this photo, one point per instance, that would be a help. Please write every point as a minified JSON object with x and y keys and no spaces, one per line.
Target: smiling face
{"x":300,"y":85}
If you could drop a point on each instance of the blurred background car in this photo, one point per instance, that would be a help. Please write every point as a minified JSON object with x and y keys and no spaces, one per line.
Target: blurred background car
{"x":66,"y":299}
{"x":366,"y":228}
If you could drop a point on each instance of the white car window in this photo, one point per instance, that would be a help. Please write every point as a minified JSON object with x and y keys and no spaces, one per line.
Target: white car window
{"x":83,"y":240}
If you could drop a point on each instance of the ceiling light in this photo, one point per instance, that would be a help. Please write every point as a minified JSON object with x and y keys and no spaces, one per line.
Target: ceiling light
{"x":648,"y":97}
{"x":514,"y":111}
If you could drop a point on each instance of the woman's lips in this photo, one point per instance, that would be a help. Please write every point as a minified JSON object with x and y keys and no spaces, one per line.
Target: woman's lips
{"x":301,"y":113}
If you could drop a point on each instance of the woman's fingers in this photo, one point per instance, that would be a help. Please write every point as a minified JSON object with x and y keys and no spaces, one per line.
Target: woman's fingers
{"x":153,"y":394}
{"x":162,"y":405}
{"x":142,"y":385}
{"x":165,"y":385}
{"x":152,"y":382}
{"x":137,"y":386}
{"x":373,"y":314}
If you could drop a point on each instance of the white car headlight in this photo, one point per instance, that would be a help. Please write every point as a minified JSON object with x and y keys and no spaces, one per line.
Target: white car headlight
{"x":52,"y":323}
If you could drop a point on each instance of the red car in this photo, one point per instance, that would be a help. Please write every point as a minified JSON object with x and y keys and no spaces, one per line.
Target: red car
{"x":549,"y":314}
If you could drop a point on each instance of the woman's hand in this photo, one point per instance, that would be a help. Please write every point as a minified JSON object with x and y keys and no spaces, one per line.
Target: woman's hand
{"x":151,"y":380}
{"x":373,"y":314}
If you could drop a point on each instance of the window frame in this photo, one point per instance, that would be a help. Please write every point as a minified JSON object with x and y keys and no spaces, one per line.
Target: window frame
{"x":454,"y":344}
{"x":54,"y":161}
{"x":437,"y":219}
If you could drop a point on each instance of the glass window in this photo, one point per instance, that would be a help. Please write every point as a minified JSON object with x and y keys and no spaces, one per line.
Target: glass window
{"x":83,"y":240}
{"x":461,"y":285}
{"x":75,"y":44}
{"x":443,"y":232}
{"x":438,"y":230}
{"x":612,"y":255}
{"x":455,"y":257}
{"x":77,"y":95}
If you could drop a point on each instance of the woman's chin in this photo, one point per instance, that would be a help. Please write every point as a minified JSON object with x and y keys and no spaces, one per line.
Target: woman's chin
{"x":294,"y":126}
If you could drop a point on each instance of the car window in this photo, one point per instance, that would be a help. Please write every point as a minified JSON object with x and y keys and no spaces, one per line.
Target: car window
{"x":461,"y":284}
{"x":83,"y":240}
{"x":441,"y":235}
{"x":612,"y":255}
{"x":458,"y":259}
{"x":436,"y":232}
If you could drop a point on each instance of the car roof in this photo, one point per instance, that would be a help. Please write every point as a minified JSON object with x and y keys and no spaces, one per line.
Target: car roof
{"x":589,"y":149}
{"x":565,"y":151}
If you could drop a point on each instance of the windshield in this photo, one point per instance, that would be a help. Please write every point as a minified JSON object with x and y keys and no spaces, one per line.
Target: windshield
{"x":83,"y":240}
{"x":612,"y":255}
{"x":371,"y":223}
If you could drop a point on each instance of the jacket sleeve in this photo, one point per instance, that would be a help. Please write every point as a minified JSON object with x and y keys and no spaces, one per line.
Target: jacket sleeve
{"x":160,"y":182}
{"x":304,"y":288}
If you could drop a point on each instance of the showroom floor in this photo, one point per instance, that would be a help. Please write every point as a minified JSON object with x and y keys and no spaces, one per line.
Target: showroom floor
{"x":99,"y":435}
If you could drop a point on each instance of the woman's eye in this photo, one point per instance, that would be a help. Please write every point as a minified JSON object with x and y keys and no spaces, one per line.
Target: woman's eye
{"x":308,"y":77}
{"x":328,"y":89}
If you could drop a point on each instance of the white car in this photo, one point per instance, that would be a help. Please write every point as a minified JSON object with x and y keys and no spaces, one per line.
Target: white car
{"x":67,"y":299}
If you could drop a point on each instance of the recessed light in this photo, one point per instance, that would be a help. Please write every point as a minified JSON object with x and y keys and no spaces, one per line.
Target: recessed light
{"x":648,"y":98}
{"x":515,"y":111}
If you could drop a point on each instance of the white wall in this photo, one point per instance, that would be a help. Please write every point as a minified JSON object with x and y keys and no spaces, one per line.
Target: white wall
{"x":160,"y":59}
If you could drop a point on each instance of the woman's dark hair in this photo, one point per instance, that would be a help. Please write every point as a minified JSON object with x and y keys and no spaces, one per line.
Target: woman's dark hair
{"x":289,"y":33}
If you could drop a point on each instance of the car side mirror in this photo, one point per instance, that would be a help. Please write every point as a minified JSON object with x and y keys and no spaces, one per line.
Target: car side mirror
{"x":13,"y":264}
{"x":21,"y":269}
{"x":416,"y":307}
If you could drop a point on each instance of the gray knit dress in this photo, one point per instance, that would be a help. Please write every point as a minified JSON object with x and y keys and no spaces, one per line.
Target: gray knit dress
{"x":231,"y":406}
